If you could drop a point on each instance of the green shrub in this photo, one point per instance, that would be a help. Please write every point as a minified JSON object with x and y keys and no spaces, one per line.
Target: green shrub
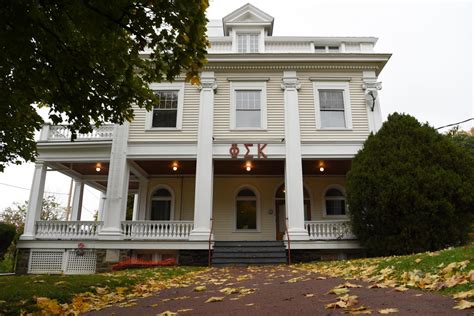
{"x":410,"y":189}
{"x":7,"y":234}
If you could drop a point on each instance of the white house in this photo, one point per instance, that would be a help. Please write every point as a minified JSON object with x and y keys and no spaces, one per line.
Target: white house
{"x":258,"y":152}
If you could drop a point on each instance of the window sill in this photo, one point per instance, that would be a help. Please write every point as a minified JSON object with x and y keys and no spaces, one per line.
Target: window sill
{"x":335,"y":129}
{"x":243,"y":129}
{"x":165,"y":129}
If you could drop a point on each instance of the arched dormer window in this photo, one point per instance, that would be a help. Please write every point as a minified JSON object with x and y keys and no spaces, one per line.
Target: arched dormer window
{"x":246,"y":210}
{"x":161,"y":205}
{"x":335,"y":202}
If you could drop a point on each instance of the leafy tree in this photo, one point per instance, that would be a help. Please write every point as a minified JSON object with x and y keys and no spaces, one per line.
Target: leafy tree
{"x":81,"y":60}
{"x":410,"y":189}
{"x":463,"y":138}
{"x":16,"y":214}
{"x":7,"y":234}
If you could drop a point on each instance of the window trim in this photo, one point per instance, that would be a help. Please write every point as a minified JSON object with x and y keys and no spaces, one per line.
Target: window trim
{"x":177,"y":86}
{"x":248,"y":85}
{"x":343,"y":191}
{"x":257,"y":198}
{"x":150,"y":199}
{"x":312,"y":204}
{"x":256,"y":31}
{"x":347,"y":104}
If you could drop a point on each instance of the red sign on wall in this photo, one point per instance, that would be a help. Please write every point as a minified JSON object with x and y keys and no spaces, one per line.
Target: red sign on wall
{"x":234,"y":151}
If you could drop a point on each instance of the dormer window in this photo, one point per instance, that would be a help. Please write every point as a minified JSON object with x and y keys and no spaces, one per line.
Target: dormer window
{"x":248,"y":43}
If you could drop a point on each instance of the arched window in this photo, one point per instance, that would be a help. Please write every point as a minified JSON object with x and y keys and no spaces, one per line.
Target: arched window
{"x":335,"y":202}
{"x":246,"y":210}
{"x":161,"y":205}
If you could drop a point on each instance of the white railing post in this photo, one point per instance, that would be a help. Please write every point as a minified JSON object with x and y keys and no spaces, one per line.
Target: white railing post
{"x":157,"y":230}
{"x":329,"y":230}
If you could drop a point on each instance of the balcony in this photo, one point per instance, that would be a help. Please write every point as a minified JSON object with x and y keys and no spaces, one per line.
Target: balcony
{"x":61,"y":133}
{"x":131,"y":230}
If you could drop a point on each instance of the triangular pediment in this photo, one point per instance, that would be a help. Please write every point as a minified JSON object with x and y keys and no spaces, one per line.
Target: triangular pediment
{"x":248,"y":14}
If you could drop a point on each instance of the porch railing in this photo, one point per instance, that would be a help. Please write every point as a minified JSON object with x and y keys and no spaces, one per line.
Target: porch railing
{"x":62,"y":133}
{"x":329,"y":230}
{"x":173,"y":230}
{"x":67,"y":229}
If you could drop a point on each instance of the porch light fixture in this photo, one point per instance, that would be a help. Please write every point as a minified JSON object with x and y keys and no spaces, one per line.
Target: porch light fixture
{"x":98,"y":167}
{"x":248,"y":166}
{"x":321,"y":166}
{"x":175,"y":166}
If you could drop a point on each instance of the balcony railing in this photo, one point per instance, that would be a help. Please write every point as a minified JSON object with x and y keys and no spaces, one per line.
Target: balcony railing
{"x":329,"y":230}
{"x":172,"y":230}
{"x":67,"y":229}
{"x":61,"y":133}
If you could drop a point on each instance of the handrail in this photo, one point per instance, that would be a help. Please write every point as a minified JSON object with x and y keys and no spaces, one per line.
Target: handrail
{"x":210,"y":237}
{"x":289,"y":243}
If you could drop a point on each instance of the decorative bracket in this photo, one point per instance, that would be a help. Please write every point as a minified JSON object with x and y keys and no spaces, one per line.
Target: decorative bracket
{"x":290,"y":83}
{"x":208,"y":83}
{"x":371,"y":92}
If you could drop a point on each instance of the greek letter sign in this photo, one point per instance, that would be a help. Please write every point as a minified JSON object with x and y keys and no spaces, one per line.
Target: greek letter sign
{"x":248,"y":151}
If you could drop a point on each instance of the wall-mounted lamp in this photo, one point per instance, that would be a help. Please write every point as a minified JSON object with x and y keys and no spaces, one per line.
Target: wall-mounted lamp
{"x":321,"y":166}
{"x":248,"y":166}
{"x":175,"y":166}
{"x":98,"y":167}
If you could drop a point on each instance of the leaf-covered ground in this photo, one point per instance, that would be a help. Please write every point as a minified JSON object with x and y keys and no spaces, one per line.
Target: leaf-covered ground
{"x":449,"y":272}
{"x":29,"y":293}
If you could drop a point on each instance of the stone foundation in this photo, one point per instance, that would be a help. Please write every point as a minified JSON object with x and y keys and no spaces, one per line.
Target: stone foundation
{"x":193,"y":257}
{"x":22,"y":260}
{"x":107,"y":258}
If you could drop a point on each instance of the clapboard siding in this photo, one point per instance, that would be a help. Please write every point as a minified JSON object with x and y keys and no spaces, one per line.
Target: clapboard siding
{"x":309,"y":133}
{"x":188,"y":133}
{"x":275,"y":112}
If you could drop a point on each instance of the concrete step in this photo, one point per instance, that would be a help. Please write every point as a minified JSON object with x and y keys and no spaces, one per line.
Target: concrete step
{"x":271,"y":243}
{"x":245,"y":261}
{"x":221,"y":249}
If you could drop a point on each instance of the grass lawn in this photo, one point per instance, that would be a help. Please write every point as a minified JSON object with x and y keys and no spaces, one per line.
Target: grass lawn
{"x":17,"y":292}
{"x":446,"y":271}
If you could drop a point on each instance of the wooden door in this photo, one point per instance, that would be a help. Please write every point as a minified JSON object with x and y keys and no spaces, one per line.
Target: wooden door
{"x":280,"y":219}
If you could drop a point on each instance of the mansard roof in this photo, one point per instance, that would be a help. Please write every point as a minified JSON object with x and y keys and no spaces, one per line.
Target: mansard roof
{"x":248,"y":15}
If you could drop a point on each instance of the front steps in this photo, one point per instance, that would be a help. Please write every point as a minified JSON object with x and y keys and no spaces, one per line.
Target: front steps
{"x":248,"y":253}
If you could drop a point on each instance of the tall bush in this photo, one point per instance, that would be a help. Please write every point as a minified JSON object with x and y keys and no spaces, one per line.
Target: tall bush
{"x":7,"y":234}
{"x":410,"y":189}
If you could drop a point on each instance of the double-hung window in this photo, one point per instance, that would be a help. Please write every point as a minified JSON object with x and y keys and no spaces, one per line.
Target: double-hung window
{"x":248,"y":42}
{"x":332,"y":105}
{"x":248,"y":105}
{"x":167,"y":112}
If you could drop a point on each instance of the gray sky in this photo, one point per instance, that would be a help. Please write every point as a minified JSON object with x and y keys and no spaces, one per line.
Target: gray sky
{"x":429,"y":75}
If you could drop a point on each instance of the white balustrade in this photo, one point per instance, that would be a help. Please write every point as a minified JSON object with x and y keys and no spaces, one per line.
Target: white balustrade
{"x":62,"y":133}
{"x":329,"y":230}
{"x":67,"y":229}
{"x":175,"y":230}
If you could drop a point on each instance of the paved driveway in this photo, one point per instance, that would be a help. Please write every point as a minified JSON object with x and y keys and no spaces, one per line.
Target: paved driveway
{"x":279,"y":290}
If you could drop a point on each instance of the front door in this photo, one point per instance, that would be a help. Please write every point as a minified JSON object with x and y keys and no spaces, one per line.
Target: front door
{"x":280,"y":218}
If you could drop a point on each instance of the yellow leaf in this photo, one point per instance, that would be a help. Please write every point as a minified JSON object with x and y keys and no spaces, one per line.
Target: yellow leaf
{"x":49,"y":306}
{"x":120,"y":290}
{"x":401,"y":288}
{"x":199,"y":288}
{"x":418,"y":260}
{"x":338,"y":291}
{"x":229,"y":290}
{"x":215,"y":299}
{"x":167,"y":313}
{"x":463,"y":304}
{"x":59,"y":282}
{"x":184,"y":310}
{"x":308,"y":295}
{"x":388,"y":310}
{"x":250,"y":304}
{"x":466,"y":294}
{"x":338,"y":304}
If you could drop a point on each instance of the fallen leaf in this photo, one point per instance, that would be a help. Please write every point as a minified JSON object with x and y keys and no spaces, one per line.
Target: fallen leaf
{"x":59,"y":283}
{"x":463,"y":304}
{"x":199,"y":288}
{"x":309,"y":295}
{"x":338,"y":291}
{"x":388,"y":310}
{"x":229,"y":290}
{"x":418,"y":260}
{"x":462,"y":295}
{"x":215,"y":299}
{"x":184,"y":310}
{"x":167,"y":313}
{"x":401,"y":288}
{"x":250,"y":304}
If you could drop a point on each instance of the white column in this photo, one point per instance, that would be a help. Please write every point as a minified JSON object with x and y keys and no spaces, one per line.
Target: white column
{"x":77,"y":200}
{"x":35,"y":203}
{"x":117,"y":185}
{"x":100,"y":214}
{"x":142,"y":199}
{"x":204,"y":164}
{"x":371,"y":87}
{"x":293,"y":165}
{"x":135,"y":207}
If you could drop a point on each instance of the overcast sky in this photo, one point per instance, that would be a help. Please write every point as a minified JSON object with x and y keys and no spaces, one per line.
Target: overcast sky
{"x":429,"y":76}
